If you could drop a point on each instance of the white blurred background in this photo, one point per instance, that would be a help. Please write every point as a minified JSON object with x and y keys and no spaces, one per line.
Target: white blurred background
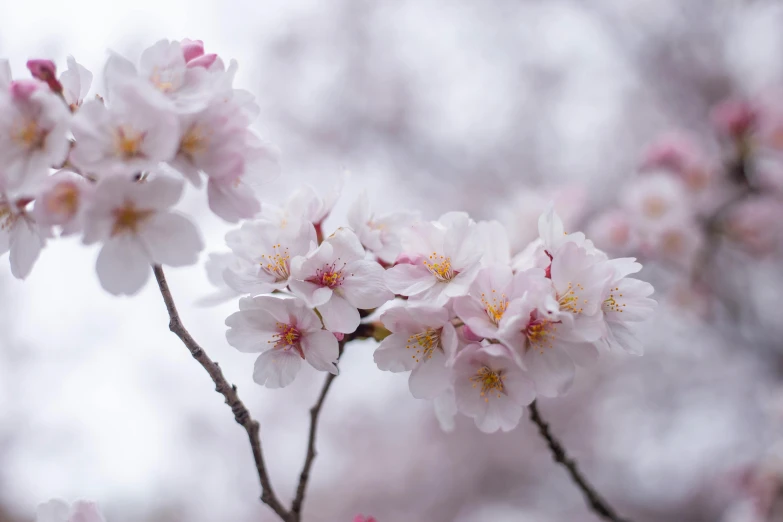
{"x":433,"y":105}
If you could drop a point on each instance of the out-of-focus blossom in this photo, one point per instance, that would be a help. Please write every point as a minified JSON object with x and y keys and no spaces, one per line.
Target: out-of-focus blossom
{"x":135,"y":133}
{"x":137,"y":228}
{"x":60,"y":511}
{"x":283,"y":331}
{"x":34,"y":124}
{"x":76,"y":81}
{"x":20,"y":235}
{"x":62,"y":201}
{"x":756,"y":224}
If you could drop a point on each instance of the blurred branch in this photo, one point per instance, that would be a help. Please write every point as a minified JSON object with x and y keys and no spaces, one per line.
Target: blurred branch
{"x":315,"y":411}
{"x":599,"y":506}
{"x":241,"y":414}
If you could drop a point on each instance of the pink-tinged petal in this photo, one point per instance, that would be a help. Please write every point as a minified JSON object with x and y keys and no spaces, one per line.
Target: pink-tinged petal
{"x":493,"y":238}
{"x":339,"y":315}
{"x":279,"y":308}
{"x":321,"y":350}
{"x":172,"y":239}
{"x":445,"y":406}
{"x":55,"y":510}
{"x":346,"y":246}
{"x":232,"y":204}
{"x":519,"y":387}
{"x":310,"y":293}
{"x":409,"y":279}
{"x":501,"y":413}
{"x":461,"y":284}
{"x":449,"y":342}
{"x":254,"y":283}
{"x":473,"y":314}
{"x":123,"y":266}
{"x":276,"y":368}
{"x":552,"y":370}
{"x":159,"y":192}
{"x":583,"y":354}
{"x":430,"y":378}
{"x":251,"y":331}
{"x":306,"y":320}
{"x":26,"y":244}
{"x":364,"y":285}
{"x":392,"y":354}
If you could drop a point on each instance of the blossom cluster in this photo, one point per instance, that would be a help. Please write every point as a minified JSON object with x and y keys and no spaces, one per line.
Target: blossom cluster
{"x":481,"y":332}
{"x":111,"y":167}
{"x":691,"y":191}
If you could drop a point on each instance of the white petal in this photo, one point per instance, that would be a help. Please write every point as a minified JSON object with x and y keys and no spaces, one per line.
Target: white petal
{"x":321,"y":350}
{"x":123,"y":267}
{"x":232,"y":204}
{"x":445,"y":406}
{"x":310,"y":293}
{"x":250,"y":331}
{"x":25,"y":244}
{"x":172,"y":239}
{"x":405,"y":279}
{"x":501,"y":413}
{"x":393,"y":356}
{"x":276,"y":368}
{"x":339,"y":315}
{"x":430,"y":377}
{"x":364,"y":286}
{"x":552,"y":370}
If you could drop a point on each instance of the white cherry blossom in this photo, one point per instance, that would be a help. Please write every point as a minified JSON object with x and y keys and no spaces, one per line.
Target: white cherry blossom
{"x":283,"y":331}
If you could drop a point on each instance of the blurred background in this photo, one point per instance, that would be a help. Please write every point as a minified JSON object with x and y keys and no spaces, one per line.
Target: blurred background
{"x":490,"y":107}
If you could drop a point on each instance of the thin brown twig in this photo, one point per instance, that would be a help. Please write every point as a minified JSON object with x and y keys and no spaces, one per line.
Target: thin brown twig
{"x":599,"y":506}
{"x":304,"y":476}
{"x":241,"y":414}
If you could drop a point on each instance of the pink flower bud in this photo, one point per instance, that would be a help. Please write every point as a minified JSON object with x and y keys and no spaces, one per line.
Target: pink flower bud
{"x":470,"y":335}
{"x":192,"y":49}
{"x":205,"y":61}
{"x":339,"y":336}
{"x":733,"y":117}
{"x":22,"y":89}
{"x":408,"y":259}
{"x":46,"y":71}
{"x":362,"y":518}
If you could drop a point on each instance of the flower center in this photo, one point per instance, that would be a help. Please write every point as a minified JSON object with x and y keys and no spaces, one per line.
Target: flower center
{"x":288,"y":337}
{"x":610,"y":303}
{"x":64,"y":200}
{"x":165,"y":81}
{"x":277,"y":264}
{"x":569,"y":301}
{"x":29,"y":134}
{"x":328,"y":276}
{"x":425,"y":343}
{"x":7,"y":217}
{"x":127,"y":143}
{"x":127,"y":218}
{"x":440,"y":267}
{"x":654,"y":207}
{"x":195,"y":140}
{"x":494,"y":307}
{"x":491,"y":381}
{"x":540,"y":334}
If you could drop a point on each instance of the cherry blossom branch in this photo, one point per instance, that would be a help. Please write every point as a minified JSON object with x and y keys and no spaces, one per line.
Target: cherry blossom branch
{"x":241,"y":414}
{"x":304,"y":476}
{"x":599,"y":506}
